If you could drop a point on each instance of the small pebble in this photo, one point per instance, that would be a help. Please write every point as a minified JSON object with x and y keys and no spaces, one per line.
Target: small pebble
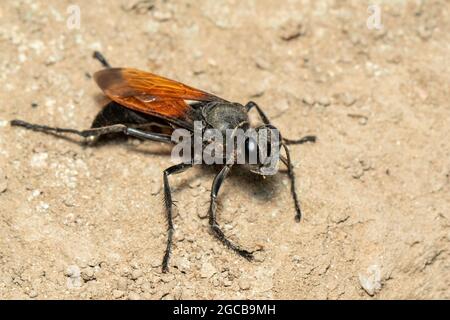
{"x":262,"y":64}
{"x":370,"y":280}
{"x":259,"y":256}
{"x":136,"y":274}
{"x":146,"y":287}
{"x":244,"y":284}
{"x":394,"y":58}
{"x":73,"y":275}
{"x":183,"y":264}
{"x":208,"y":270}
{"x":324,"y":101}
{"x":258,"y":92}
{"x":348,"y":100}
{"x":117,"y":294}
{"x":194,"y":184}
{"x":202,"y":213}
{"x":357,"y":171}
{"x":155,"y":263}
{"x":135,"y":142}
{"x":292,"y":30}
{"x":198,"y":67}
{"x":134,"y":296}
{"x":179,"y":235}
{"x":282,"y":105}
{"x":227,"y":282}
{"x":69,"y":203}
{"x":177,"y":293}
{"x":93,"y":262}
{"x":424,"y":32}
{"x":155,"y":189}
{"x":122,"y":284}
{"x":42,"y":206}
{"x":366,"y":165}
{"x":72,"y":271}
{"x":39,"y":160}
{"x":81,"y":263}
{"x":362,"y":121}
{"x":167,"y":277}
{"x":309,"y":100}
{"x":126,"y":272}
{"x":162,"y":16}
{"x":216,"y":282}
{"x":87,"y":274}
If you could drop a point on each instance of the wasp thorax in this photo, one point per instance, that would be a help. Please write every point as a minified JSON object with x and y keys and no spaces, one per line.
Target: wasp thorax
{"x":223,"y":116}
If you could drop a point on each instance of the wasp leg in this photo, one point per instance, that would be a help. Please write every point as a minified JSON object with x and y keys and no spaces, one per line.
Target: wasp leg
{"x":168,"y":202}
{"x":97,"y":55}
{"x":218,"y":233}
{"x":287,"y":161}
{"x":265,"y":120}
{"x":303,"y":140}
{"x":250,"y":105}
{"x":95,"y":132}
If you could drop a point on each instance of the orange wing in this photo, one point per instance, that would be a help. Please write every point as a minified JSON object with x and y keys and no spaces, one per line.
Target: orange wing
{"x":149,"y":93}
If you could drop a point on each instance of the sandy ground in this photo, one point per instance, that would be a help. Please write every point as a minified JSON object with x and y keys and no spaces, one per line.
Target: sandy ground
{"x":88,"y":223}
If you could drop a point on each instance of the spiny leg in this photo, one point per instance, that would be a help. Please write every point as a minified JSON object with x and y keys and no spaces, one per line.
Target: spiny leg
{"x":218,"y":233}
{"x":250,"y":105}
{"x":291,"y":174}
{"x":97,"y":55}
{"x":94,"y":132}
{"x":287,"y":161}
{"x":168,"y":202}
{"x":303,"y":140}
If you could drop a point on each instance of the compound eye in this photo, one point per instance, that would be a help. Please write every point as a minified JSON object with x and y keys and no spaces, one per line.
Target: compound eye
{"x":251,"y":145}
{"x":251,"y":150}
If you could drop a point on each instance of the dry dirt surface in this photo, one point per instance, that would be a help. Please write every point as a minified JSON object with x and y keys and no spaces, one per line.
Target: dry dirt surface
{"x":78,"y":222}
